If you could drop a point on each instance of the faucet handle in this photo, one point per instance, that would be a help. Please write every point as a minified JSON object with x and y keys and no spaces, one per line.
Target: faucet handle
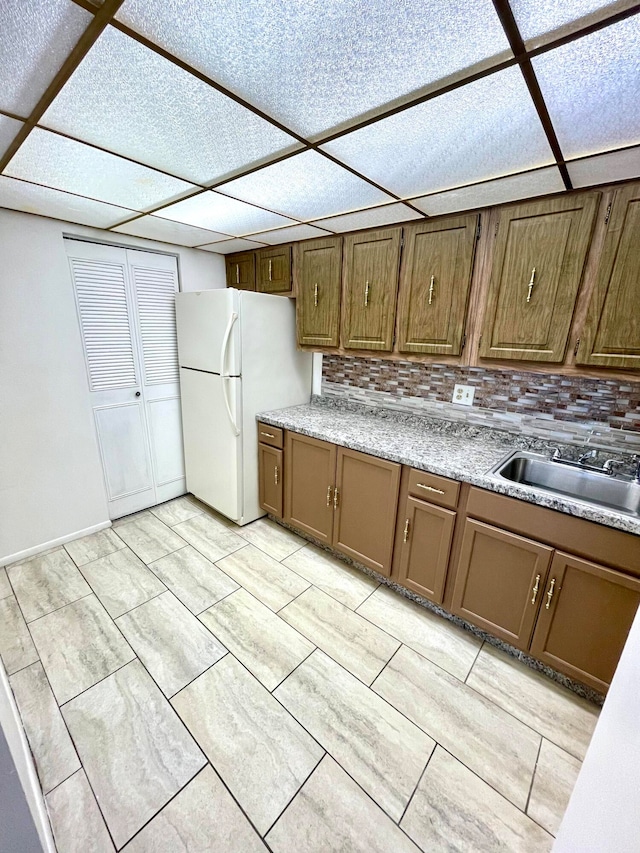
{"x":556,"y":454}
{"x":610,"y":464}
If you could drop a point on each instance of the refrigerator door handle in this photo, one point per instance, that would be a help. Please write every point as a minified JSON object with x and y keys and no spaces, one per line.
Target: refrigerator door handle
{"x":225,"y":394}
{"x":225,"y":343}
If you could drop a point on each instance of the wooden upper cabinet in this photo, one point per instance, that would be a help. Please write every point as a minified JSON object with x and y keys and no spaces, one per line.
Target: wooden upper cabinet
{"x":273,"y":270}
{"x":611,"y":337}
{"x":241,"y":270}
{"x":585,"y":617}
{"x":435,"y":280}
{"x":537,"y":267}
{"x":318,"y":271}
{"x":370,"y":285}
{"x":309,"y":479}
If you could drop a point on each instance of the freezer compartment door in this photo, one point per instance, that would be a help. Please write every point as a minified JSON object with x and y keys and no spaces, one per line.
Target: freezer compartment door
{"x":209,"y":331}
{"x":211,"y":413}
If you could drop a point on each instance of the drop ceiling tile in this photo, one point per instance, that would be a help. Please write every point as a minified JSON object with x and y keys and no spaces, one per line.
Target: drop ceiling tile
{"x":9,"y":128}
{"x":230,"y":246}
{"x":36,"y":36}
{"x":167,"y":231}
{"x":528,"y":185}
{"x":31,"y":198}
{"x":592,"y":89}
{"x":219,"y":213}
{"x":541,"y":21}
{"x":64,"y":164}
{"x":286,"y":235}
{"x":372,"y":218}
{"x":306,"y":186}
{"x":128,"y":99}
{"x":615,"y":166}
{"x":484,"y":130}
{"x":314,"y":65}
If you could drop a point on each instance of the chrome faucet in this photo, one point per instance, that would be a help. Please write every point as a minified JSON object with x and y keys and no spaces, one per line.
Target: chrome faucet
{"x":610,"y":465}
{"x":590,"y":454}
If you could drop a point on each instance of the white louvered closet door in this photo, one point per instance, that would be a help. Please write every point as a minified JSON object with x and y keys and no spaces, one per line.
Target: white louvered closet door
{"x":125,"y":302}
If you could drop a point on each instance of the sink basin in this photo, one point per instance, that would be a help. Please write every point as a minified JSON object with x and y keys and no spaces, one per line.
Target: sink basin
{"x":609,"y":492}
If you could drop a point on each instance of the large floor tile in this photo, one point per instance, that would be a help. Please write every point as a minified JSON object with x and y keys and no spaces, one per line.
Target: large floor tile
{"x":550,"y":709}
{"x":202,"y":818}
{"x":382,"y":750}
{"x":262,"y":754}
{"x":274,"y":584}
{"x":16,"y":646}
{"x":496,"y":746}
{"x":96,"y":545}
{"x":44,"y":553}
{"x":122,"y":581}
{"x":193,"y":579}
{"x":5,"y":586}
{"x":126,"y":519}
{"x":52,"y":749}
{"x":211,"y":537}
{"x":134,"y":749}
{"x":175,"y":511}
{"x":79,"y":645}
{"x":170,"y":641}
{"x":266,"y":645}
{"x":339,"y":580}
{"x":149,"y":538}
{"x":433,"y":637}
{"x":556,"y":774}
{"x":76,"y":821}
{"x":352,"y":641}
{"x":455,"y":810}
{"x":43,"y":584}
{"x":271,"y":538}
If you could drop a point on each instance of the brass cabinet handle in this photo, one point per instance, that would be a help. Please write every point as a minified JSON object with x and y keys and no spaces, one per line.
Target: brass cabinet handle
{"x":433,"y":278}
{"x":534,"y":591}
{"x":328,"y":495}
{"x":270,"y":268}
{"x":366,"y":294}
{"x":531,"y":283}
{"x":268,"y":434}
{"x":550,"y":593}
{"x":237,"y":273}
{"x":276,"y":476}
{"x":430,"y":488}
{"x":405,"y":535}
{"x":315,"y":294}
{"x":336,"y":495}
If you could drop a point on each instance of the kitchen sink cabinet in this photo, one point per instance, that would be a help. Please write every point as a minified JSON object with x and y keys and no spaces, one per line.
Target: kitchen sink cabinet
{"x":241,"y":270}
{"x":538,"y":260}
{"x":309,"y":485}
{"x":318,"y":273}
{"x":273,"y":270}
{"x":611,"y":335}
{"x":270,"y":479}
{"x":426,"y":536}
{"x":435,"y":279}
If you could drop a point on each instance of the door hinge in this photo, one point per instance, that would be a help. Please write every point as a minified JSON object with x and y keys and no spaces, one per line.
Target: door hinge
{"x":478,"y":230}
{"x":464,"y":341}
{"x":607,"y":214}
{"x":495,"y":233}
{"x":575,"y":349}
{"x":402,"y":241}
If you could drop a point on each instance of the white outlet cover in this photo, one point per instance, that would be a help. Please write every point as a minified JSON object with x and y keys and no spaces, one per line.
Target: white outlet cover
{"x":463,"y":395}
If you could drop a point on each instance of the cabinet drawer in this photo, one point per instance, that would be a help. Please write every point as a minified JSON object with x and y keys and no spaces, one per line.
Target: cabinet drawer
{"x":436,"y":490}
{"x":270,"y":435}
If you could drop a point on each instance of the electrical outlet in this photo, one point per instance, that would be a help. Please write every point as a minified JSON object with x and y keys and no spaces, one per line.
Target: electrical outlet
{"x":463,"y":394}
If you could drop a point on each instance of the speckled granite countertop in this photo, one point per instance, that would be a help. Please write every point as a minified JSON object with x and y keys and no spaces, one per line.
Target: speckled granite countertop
{"x":454,"y":450}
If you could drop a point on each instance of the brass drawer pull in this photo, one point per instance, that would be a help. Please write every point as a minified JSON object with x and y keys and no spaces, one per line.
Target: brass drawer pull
{"x":366,"y":294}
{"x":550,"y":593}
{"x":405,"y":535}
{"x":531,"y":283}
{"x":336,"y":495}
{"x":268,"y":434}
{"x":328,"y":495}
{"x":270,"y":268}
{"x":276,"y":476}
{"x":433,"y":278}
{"x":430,"y":488}
{"x":315,"y":294}
{"x":534,"y":591}
{"x":237,"y":273}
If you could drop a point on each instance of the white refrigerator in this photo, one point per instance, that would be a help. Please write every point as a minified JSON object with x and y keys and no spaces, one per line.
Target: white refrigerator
{"x":238,"y":356}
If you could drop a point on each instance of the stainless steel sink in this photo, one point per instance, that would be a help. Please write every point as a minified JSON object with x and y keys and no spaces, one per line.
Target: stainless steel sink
{"x":610,"y":492}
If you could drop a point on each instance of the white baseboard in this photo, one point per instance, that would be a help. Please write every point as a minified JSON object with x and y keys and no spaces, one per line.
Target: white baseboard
{"x":21,"y":755}
{"x":45,"y":546}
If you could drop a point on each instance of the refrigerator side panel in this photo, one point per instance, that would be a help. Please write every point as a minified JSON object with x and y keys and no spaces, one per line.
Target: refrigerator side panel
{"x":212,"y":450}
{"x":203,"y":318}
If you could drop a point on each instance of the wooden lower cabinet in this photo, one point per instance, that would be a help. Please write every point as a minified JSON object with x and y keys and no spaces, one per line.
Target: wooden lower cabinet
{"x":500,"y":581}
{"x":309,"y":480}
{"x":585,"y":616}
{"x":426,"y":543}
{"x":366,"y":501}
{"x":271,"y":482}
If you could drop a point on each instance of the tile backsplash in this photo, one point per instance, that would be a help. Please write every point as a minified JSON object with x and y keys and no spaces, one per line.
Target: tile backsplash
{"x":516,"y":400}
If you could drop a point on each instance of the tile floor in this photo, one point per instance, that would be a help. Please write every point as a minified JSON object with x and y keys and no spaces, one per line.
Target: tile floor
{"x":188,"y":685}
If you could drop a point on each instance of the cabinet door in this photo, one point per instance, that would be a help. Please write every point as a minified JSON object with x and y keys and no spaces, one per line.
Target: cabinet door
{"x":270,"y":479}
{"x":500,"y":581}
{"x":434,"y":285}
{"x":366,"y":502}
{"x":611,"y":337}
{"x":584,"y":620}
{"x":318,"y":268}
{"x":309,"y":478}
{"x":241,"y":270}
{"x":370,"y":286}
{"x":538,"y":261}
{"x":426,"y":543}
{"x":273,"y":274}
